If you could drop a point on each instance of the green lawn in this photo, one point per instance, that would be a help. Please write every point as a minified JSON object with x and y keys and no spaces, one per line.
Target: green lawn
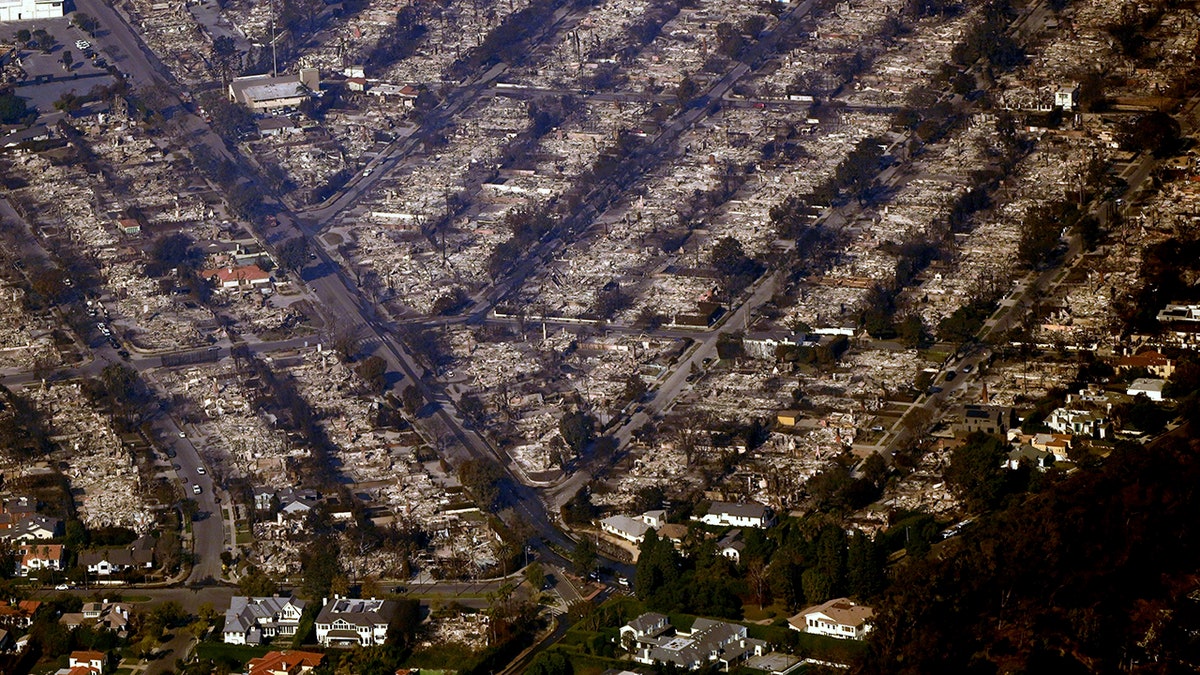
{"x":219,"y":651}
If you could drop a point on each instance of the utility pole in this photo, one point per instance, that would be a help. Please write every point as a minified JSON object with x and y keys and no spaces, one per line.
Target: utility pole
{"x":274,"y":56}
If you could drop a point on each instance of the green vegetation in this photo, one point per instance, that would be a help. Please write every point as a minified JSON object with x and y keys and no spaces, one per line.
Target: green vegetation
{"x":1101,"y":544}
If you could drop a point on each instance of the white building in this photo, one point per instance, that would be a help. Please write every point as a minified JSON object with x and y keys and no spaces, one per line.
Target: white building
{"x":634,"y":529}
{"x":723,"y":514}
{"x":651,"y":639}
{"x":1152,"y":388}
{"x":263,"y":92}
{"x":349,"y":622}
{"x":249,"y":620}
{"x":838,"y":618}
{"x":1079,"y":422}
{"x":27,"y":10}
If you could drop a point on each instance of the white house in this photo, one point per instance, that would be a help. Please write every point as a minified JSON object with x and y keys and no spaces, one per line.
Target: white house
{"x":31,"y":527}
{"x":634,"y":529}
{"x":1152,"y":388}
{"x":91,"y":661}
{"x":248,"y":620}
{"x":33,"y":557}
{"x":108,"y":561}
{"x":27,"y":10}
{"x":839,"y":618}
{"x":723,"y":514}
{"x":348,"y":622}
{"x":731,"y":545}
{"x":650,"y":638}
{"x":1079,"y":422}
{"x":631,"y":529}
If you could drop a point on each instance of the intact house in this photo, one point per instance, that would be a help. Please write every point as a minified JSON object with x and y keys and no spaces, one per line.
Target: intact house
{"x":29,"y":527}
{"x":989,"y":419}
{"x":86,"y":662}
{"x":1088,"y":423}
{"x":243,"y":276}
{"x":731,"y":545}
{"x":651,"y":639}
{"x":749,"y":514}
{"x":34,"y":557}
{"x":111,"y":615}
{"x":634,"y":529}
{"x":838,"y":618}
{"x":18,"y":613}
{"x":1152,"y":362}
{"x":1149,"y":387}
{"x":350,"y":622}
{"x":264,"y":92}
{"x":136,"y":556}
{"x":248,"y":620}
{"x":284,"y":663}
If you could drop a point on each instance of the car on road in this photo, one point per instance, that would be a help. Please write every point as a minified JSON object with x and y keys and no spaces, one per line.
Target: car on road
{"x":967,"y":368}
{"x":195,"y":488}
{"x":950,"y":375}
{"x":934,"y":390}
{"x":200,"y":470}
{"x":182,"y":434}
{"x":62,"y":587}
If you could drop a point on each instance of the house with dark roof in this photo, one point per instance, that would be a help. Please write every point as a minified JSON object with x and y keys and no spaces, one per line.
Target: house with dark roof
{"x":731,"y":545}
{"x":989,"y":419}
{"x":248,"y":620}
{"x":111,"y":615}
{"x":746,"y":514}
{"x":349,"y":622}
{"x":138,"y":555}
{"x":30,"y":527}
{"x":651,"y":639}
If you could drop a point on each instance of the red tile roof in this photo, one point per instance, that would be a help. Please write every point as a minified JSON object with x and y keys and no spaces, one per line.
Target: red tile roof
{"x":290,"y":662}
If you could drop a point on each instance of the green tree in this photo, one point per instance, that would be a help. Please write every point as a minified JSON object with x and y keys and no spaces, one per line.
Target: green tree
{"x":864,"y":567}
{"x":1040,"y":233}
{"x":577,"y":429}
{"x":256,"y":583}
{"x":552,"y":662}
{"x":536,"y":576}
{"x":373,"y":371}
{"x":818,"y":587}
{"x":482,"y":479}
{"x":1156,"y":132}
{"x":976,"y":471}
{"x":584,"y":556}
{"x":12,"y":108}
{"x":635,"y":388}
{"x":320,"y":563}
{"x":85,"y":22}
{"x":293,"y":253}
{"x":43,"y":41}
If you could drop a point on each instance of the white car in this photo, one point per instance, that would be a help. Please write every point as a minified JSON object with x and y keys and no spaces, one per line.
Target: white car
{"x":200,"y":470}
{"x":83,"y":44}
{"x":195,"y":488}
{"x":62,"y":587}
